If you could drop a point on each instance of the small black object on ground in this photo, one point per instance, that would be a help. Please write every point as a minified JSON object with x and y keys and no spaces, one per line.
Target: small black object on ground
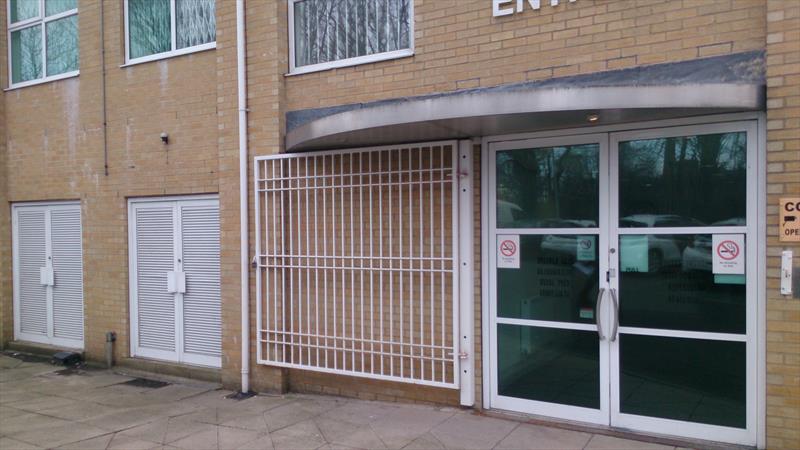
{"x":66,"y":359}
{"x":146,"y":383}
{"x":241,"y":395}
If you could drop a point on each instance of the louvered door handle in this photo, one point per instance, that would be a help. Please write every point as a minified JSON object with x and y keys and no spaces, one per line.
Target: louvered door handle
{"x":46,"y":276}
{"x":176,"y":282}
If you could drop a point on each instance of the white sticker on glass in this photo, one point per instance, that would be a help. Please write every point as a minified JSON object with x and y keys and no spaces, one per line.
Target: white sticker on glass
{"x":508,"y":251}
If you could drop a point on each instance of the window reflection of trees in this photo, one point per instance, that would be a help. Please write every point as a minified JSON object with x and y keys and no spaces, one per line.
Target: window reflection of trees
{"x":550,"y":187}
{"x":331,"y":30}
{"x":701,"y":179}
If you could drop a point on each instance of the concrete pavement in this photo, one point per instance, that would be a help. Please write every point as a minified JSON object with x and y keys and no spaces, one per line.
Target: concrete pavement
{"x":45,"y":406}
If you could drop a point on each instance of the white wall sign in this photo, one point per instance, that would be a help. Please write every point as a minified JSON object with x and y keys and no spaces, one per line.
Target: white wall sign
{"x":727,"y":254}
{"x":508,"y":7}
{"x":508,"y":251}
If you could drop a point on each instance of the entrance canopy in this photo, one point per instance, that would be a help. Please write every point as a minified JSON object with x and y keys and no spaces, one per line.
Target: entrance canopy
{"x":723,"y":84}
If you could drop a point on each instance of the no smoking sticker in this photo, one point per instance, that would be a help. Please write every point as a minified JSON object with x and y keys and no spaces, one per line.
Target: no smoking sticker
{"x":508,"y":251}
{"x":727,"y":254}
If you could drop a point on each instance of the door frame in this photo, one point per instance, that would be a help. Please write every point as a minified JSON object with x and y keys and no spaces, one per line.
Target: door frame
{"x":583,"y":414}
{"x":178,"y":356}
{"x":49,"y":339}
{"x":757,"y":364}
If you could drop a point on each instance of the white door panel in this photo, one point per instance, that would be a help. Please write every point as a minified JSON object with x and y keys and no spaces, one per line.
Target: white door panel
{"x":48,"y":274}
{"x":175,"y":280}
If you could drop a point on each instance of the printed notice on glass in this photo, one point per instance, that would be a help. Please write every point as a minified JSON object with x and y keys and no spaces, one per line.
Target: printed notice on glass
{"x":727,"y":254}
{"x":586,"y":248}
{"x":508,"y":251}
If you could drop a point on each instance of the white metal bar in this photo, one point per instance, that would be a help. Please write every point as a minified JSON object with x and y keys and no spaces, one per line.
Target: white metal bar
{"x":316,"y":261}
{"x":411,"y":343}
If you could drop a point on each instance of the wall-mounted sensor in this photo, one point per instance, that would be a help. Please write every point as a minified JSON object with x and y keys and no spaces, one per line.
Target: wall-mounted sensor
{"x":165,"y":138}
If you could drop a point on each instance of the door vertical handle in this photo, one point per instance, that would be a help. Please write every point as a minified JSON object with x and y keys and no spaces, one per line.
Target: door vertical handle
{"x":597,"y":320}
{"x":615,"y":302}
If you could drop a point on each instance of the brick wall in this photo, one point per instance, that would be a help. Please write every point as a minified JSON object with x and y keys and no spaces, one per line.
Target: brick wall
{"x":783,"y":179}
{"x":55,"y":152}
{"x":459,"y":45}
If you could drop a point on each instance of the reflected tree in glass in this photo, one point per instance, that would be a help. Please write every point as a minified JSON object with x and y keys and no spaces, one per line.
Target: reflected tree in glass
{"x":195,"y":22}
{"x":684,"y":181}
{"x":149,"y":27}
{"x":62,"y":45}
{"x":23,"y":9}
{"x":26,"y":54}
{"x":330,"y":30}
{"x":548,"y":187}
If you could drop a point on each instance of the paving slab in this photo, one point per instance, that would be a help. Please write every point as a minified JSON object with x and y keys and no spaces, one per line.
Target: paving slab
{"x":8,"y":443}
{"x":402,"y":425}
{"x":56,"y":436}
{"x":601,"y":442}
{"x":304,"y":434}
{"x":544,"y":438}
{"x":471,"y":431}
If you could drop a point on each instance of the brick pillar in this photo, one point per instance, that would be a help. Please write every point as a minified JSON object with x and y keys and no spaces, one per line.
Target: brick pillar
{"x":783,"y":179}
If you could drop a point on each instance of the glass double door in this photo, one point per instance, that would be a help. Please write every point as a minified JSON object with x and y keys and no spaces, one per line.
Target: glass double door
{"x":623,"y":279}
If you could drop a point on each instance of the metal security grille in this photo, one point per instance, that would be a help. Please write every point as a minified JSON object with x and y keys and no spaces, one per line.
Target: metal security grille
{"x":356,"y":254}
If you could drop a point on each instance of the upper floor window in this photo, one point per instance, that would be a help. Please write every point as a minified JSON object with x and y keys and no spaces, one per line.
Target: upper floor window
{"x":43,"y":37}
{"x":324,"y":34}
{"x":157,"y":29}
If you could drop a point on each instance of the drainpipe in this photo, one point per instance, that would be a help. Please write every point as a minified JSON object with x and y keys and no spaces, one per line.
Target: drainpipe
{"x":243,"y":216}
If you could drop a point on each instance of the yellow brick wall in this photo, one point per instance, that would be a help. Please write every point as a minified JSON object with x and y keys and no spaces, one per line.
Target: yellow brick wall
{"x":458,"y":45}
{"x":55,"y":152}
{"x":783,"y":179}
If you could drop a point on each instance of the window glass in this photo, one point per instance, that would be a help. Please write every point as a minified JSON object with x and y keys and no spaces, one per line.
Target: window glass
{"x":549,"y":365}
{"x":554,"y":187}
{"x":52,"y":7}
{"x":691,"y":380}
{"x":195,"y":22}
{"x":62,"y":45}
{"x":556,"y":280}
{"x":26,"y":54}
{"x":683,"y":181}
{"x":666,"y":281}
{"x":327,"y":31}
{"x":149,"y":27}
{"x":29,"y":44}
{"x":23,"y":9}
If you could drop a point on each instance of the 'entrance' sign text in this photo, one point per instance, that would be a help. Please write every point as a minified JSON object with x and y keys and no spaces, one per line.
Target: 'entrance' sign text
{"x":499,"y":10}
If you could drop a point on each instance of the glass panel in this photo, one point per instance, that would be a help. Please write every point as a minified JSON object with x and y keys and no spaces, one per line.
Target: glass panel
{"x":557,"y":280}
{"x":23,"y":9}
{"x":195,"y":21}
{"x":328,"y":31}
{"x":666,"y":282}
{"x":683,"y":181}
{"x":553,"y":187}
{"x":26,"y":54}
{"x":693,"y":380}
{"x":149,"y":27}
{"x":549,"y":365}
{"x":62,"y":45}
{"x":52,"y":7}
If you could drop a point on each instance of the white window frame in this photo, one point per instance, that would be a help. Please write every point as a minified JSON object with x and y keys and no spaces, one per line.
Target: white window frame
{"x":347,"y":62}
{"x":43,"y":20}
{"x":173,"y":41}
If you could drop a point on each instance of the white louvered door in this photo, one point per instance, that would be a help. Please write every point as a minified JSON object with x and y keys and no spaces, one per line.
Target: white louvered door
{"x":175,"y":280}
{"x":202,"y":322}
{"x":48,"y":274}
